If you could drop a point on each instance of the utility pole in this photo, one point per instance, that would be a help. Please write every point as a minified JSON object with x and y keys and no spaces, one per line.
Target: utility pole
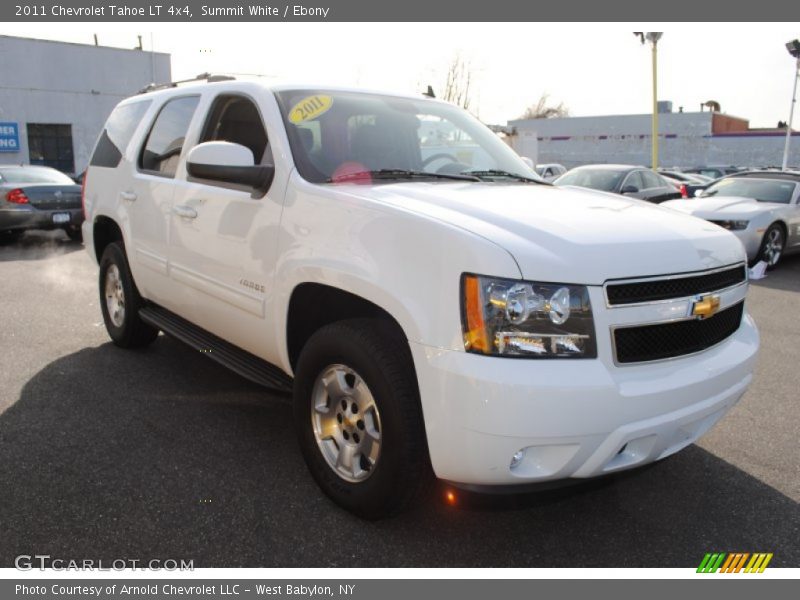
{"x":794,"y":49}
{"x":653,"y":37}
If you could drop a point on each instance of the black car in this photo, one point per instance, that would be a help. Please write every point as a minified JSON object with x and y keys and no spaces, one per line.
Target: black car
{"x":33,"y":197}
{"x":628,"y":180}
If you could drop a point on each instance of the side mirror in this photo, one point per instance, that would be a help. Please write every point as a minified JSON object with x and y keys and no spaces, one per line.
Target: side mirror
{"x":527,"y":161}
{"x":229,"y":163}
{"x":629,"y":189}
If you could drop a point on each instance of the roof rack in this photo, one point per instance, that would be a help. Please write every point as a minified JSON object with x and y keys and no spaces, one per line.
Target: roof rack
{"x":207,"y":77}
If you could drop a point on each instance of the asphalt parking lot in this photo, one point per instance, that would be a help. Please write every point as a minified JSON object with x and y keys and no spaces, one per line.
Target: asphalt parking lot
{"x":162,"y":453}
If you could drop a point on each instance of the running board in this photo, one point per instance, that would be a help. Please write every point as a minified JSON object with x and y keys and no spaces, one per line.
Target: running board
{"x":240,"y":361}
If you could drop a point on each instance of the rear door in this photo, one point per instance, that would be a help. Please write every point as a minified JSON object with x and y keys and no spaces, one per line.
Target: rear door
{"x":147,"y":197}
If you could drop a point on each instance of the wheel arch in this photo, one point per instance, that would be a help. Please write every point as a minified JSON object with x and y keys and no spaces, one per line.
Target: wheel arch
{"x":105,"y":231}
{"x":313,"y":305}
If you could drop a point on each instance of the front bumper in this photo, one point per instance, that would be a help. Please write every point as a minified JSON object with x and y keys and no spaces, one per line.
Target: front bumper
{"x":28,"y":217}
{"x":574,"y":418}
{"x":751,"y":240}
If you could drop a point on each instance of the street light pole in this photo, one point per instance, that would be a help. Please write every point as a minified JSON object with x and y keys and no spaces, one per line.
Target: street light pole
{"x":654,"y":42}
{"x":791,"y":116}
{"x":653,"y":37}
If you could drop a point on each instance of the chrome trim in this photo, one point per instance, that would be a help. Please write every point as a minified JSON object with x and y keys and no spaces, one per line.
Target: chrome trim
{"x":614,"y":328}
{"x":685,"y":275}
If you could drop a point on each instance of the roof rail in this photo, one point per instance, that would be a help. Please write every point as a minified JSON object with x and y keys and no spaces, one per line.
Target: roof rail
{"x":207,"y":77}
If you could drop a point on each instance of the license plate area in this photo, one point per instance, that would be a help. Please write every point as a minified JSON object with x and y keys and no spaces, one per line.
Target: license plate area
{"x":59,"y":218}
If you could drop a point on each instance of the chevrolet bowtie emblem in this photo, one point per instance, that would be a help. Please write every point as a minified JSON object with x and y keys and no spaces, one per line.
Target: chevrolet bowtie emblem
{"x":705,"y":306}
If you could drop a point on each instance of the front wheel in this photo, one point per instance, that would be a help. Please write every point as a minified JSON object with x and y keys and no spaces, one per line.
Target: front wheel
{"x":772,"y":246}
{"x":120,"y":301}
{"x":358,"y":418}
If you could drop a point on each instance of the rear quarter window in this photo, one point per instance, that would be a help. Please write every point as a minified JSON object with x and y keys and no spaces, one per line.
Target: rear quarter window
{"x":117,"y":134}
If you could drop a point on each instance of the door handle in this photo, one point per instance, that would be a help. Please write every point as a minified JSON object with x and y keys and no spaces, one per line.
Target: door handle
{"x":186,"y":212}
{"x":128,"y":196}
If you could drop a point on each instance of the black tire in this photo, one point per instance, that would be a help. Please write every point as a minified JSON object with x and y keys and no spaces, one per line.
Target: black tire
{"x":379,"y":355}
{"x":772,"y":246}
{"x":129,"y":331}
{"x":74,"y":233}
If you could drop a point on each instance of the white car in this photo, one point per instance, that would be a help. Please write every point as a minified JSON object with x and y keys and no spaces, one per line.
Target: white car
{"x":431,"y":310}
{"x":550,"y":171}
{"x":762,"y":208}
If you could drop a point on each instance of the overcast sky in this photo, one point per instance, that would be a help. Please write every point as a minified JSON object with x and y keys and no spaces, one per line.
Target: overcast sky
{"x":593,"y":68}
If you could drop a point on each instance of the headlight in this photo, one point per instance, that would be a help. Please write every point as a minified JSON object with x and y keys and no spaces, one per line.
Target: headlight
{"x":733,"y":225}
{"x":507,"y":317}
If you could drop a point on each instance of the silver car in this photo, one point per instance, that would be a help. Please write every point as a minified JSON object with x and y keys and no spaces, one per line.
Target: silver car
{"x":761,"y":208}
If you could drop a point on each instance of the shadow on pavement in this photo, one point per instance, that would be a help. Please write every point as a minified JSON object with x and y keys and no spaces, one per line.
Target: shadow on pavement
{"x":37,"y":245}
{"x":163,"y":454}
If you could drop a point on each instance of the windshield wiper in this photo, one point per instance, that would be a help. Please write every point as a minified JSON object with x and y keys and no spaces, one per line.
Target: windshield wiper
{"x":501,"y":173}
{"x":399,"y":174}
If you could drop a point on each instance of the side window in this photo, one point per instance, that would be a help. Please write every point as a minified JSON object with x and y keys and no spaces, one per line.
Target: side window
{"x":633,"y":179}
{"x":651,"y":180}
{"x":236,"y":119}
{"x":162,"y":149}
{"x":117,"y":133}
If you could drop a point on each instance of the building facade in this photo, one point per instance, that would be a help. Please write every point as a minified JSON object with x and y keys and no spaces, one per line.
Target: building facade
{"x":56,"y":96}
{"x":685,"y":140}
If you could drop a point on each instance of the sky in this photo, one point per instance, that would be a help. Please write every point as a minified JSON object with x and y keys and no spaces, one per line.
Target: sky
{"x":593,"y":68}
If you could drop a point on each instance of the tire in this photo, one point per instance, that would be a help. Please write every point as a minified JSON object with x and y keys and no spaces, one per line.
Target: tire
{"x":120,"y":301}
{"x":74,"y":233}
{"x":772,"y":245}
{"x":367,"y":364}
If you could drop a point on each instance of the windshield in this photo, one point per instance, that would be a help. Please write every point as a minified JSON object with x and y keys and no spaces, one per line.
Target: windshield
{"x":763,"y":190}
{"x":606,"y":180}
{"x":33,"y":175}
{"x":334,"y":135}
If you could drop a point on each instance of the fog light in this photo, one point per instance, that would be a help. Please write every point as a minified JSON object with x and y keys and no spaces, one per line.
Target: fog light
{"x":517,"y":458}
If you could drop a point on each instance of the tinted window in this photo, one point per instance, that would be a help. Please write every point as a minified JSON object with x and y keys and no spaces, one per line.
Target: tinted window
{"x":117,"y":133}
{"x":760,"y":189}
{"x":21,"y":175}
{"x":163,"y":147}
{"x":651,"y":180}
{"x":236,"y":119}
{"x":634,"y":179}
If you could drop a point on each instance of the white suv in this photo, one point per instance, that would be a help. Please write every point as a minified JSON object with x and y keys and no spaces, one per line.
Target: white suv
{"x":428,"y":300}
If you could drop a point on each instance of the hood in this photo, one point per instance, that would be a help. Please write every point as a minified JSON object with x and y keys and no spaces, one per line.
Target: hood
{"x":567,"y":235}
{"x":721,"y":207}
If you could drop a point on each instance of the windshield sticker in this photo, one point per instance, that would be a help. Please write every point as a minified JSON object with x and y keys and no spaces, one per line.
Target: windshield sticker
{"x":309,"y":108}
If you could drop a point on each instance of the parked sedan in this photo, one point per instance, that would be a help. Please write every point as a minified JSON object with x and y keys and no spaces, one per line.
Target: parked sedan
{"x":688,"y":183}
{"x":761,"y":208}
{"x":628,"y":180}
{"x":713,"y":171}
{"x":550,"y":171}
{"x":33,"y":197}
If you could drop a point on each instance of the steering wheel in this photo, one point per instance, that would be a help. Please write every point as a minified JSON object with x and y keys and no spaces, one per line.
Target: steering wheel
{"x":439,"y":156}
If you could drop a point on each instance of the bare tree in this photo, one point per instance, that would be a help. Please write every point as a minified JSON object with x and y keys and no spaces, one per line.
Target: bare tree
{"x":543,"y":110}
{"x":458,"y":84}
